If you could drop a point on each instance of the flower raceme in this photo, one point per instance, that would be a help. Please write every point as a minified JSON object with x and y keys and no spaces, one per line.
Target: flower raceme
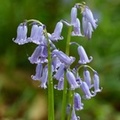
{"x":61,"y":62}
{"x":37,"y":36}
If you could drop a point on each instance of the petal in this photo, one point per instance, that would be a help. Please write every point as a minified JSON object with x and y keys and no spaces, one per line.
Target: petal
{"x":55,"y":62}
{"x":73,"y":15}
{"x":21,"y":34}
{"x":44,"y":78}
{"x":60,"y":72}
{"x":84,"y":25}
{"x":96,"y":83}
{"x":86,"y":90}
{"x":63,"y":57}
{"x":39,"y":70}
{"x":78,"y":105}
{"x":35,"y":56}
{"x":83,"y":56}
{"x":36,"y":34}
{"x":43,"y":51}
{"x":87,"y":28}
{"x":88,"y":14}
{"x":74,"y":116}
{"x":76,"y":28}
{"x":72,"y":80}
{"x":39,"y":55}
{"x":89,"y":31}
{"x":87,"y":77}
{"x":60,"y":85}
{"x":78,"y":80}
{"x":56,"y":35}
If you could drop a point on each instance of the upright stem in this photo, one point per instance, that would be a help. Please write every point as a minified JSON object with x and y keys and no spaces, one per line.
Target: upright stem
{"x":50,"y":84}
{"x":64,"y":101}
{"x":68,"y":40}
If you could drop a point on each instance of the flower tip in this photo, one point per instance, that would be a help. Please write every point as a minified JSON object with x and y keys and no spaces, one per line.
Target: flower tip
{"x":98,"y":90}
{"x":86,"y":97}
{"x":33,"y":77}
{"x":55,"y":86}
{"x":72,"y":59}
{"x":91,"y":58}
{"x":75,"y":34}
{"x":13,"y":39}
{"x":73,"y":87}
{"x":43,"y":86}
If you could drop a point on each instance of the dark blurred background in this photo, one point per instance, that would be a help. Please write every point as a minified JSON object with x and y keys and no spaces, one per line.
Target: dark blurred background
{"x":20,"y":97}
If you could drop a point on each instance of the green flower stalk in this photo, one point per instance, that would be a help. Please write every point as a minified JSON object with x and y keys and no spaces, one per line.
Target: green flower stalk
{"x":50,"y":82}
{"x":65,"y":93}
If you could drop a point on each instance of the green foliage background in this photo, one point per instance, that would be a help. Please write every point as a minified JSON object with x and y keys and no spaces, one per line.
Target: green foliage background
{"x":20,"y":97}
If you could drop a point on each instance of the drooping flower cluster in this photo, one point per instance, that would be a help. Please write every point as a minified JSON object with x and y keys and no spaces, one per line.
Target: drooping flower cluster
{"x":61,"y":62}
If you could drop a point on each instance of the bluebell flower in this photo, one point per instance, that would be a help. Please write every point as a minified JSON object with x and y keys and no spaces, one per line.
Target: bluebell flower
{"x":89,"y":31}
{"x":21,"y":34}
{"x":38,"y":74}
{"x":44,"y":78}
{"x":87,"y":28}
{"x":78,"y":105}
{"x":60,"y":85}
{"x":60,"y":72}
{"x":39,"y":55}
{"x":83,"y":56}
{"x":86,"y":90}
{"x":87,"y":13}
{"x":73,"y":15}
{"x":36,"y":34}
{"x":63,"y":57}
{"x":87,"y":77}
{"x":96,"y":83}
{"x":72,"y":80}
{"x":56,"y":35}
{"x":68,"y":108}
{"x":78,"y":80}
{"x":76,"y":28}
{"x":74,"y":116}
{"x":55,"y":62}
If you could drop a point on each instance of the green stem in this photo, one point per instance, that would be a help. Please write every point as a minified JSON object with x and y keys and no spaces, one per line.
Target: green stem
{"x":82,"y":66}
{"x":64,"y":101}
{"x":34,"y":20}
{"x":68,"y":40}
{"x":50,"y":84}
